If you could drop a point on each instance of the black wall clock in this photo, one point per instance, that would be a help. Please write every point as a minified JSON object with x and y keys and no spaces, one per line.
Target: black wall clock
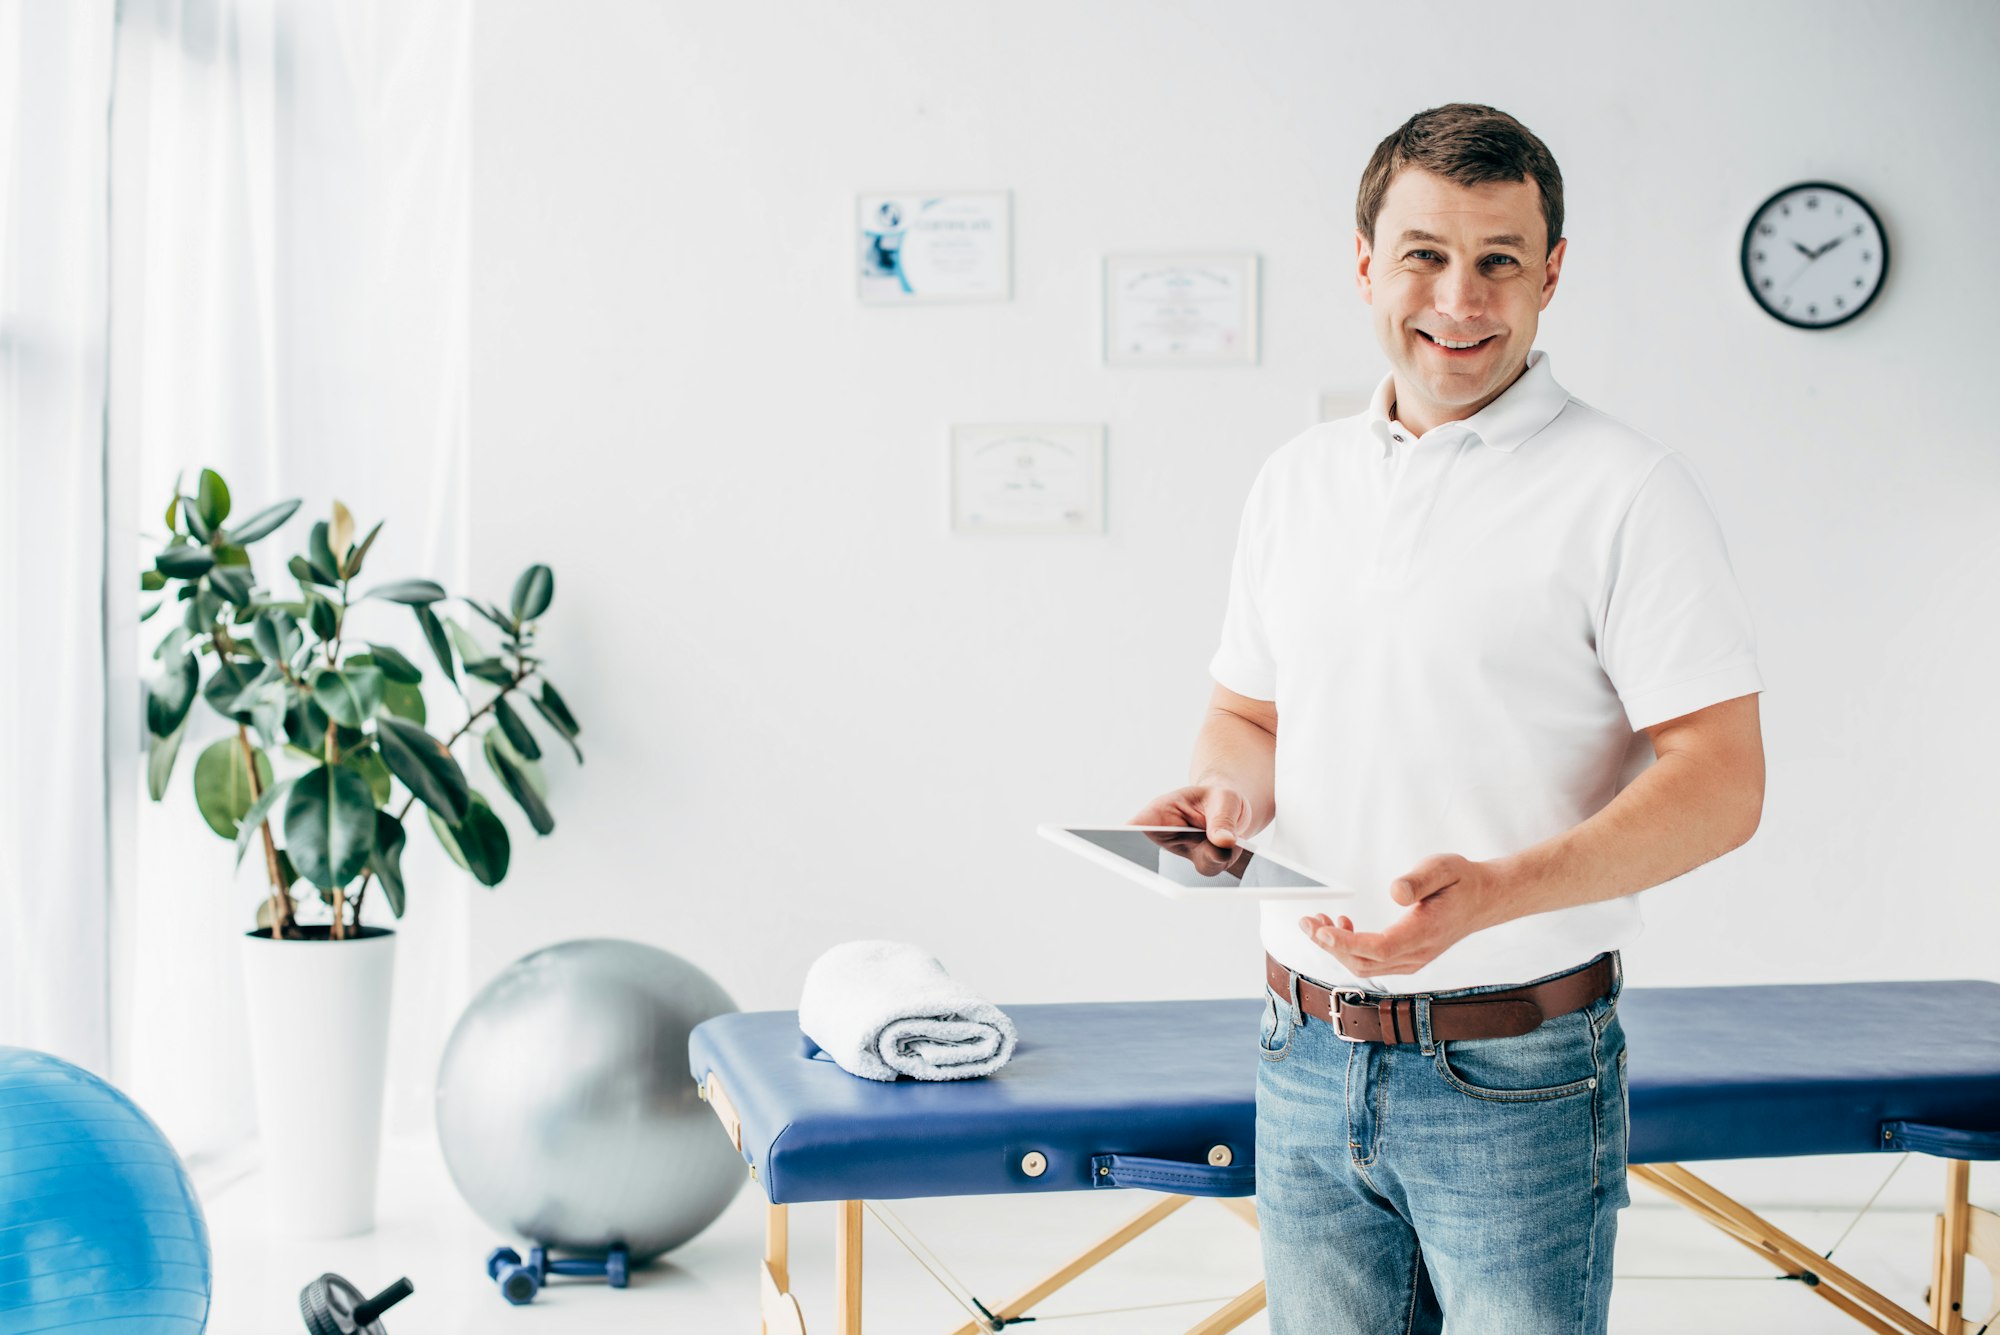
{"x":1814,"y":255}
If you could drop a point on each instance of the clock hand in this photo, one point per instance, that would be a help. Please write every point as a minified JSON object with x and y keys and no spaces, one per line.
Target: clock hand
{"x":1825,"y":248}
{"x":1809,"y":254}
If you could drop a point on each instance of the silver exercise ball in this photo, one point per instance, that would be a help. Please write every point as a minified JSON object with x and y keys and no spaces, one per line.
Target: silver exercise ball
{"x":565,"y":1108}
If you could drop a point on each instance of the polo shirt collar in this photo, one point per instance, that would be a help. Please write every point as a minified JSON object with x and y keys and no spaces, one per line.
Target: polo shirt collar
{"x":1523,"y":408}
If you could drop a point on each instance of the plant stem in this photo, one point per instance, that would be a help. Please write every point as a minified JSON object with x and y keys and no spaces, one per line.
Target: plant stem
{"x":281,"y":899}
{"x":339,"y":901}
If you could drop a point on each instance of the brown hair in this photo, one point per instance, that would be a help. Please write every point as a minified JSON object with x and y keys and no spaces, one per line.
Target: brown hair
{"x":1468,"y":144}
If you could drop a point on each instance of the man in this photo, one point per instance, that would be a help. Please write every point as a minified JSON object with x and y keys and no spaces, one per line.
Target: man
{"x":1495,"y":621}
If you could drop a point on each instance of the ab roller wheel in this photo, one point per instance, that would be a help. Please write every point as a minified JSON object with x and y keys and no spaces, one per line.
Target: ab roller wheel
{"x":521,"y":1280}
{"x":332,"y":1306}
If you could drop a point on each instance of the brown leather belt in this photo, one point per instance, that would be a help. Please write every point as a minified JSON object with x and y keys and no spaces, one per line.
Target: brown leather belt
{"x":1361,"y":1017}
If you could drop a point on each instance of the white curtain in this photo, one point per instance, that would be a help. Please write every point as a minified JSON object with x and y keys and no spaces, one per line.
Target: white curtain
{"x":289,"y":210}
{"x":55,"y":81}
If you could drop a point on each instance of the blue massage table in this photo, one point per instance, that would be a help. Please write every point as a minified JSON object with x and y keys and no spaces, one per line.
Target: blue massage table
{"x":1161,"y":1096}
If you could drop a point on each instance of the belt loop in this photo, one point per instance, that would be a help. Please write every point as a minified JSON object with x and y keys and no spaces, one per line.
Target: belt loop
{"x":1423,"y":1004}
{"x":1298,"y":1011}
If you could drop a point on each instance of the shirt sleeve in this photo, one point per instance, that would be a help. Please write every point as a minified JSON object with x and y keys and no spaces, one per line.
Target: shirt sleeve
{"x":1675,"y":634}
{"x":1243,"y":663}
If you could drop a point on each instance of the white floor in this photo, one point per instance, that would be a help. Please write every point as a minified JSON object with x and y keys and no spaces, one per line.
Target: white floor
{"x":995,"y":1245}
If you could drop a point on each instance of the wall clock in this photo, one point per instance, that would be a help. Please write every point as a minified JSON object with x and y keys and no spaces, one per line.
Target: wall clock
{"x":1814,"y":255}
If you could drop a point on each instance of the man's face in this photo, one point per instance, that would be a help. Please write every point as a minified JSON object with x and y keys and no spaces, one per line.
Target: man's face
{"x":1475,"y":272}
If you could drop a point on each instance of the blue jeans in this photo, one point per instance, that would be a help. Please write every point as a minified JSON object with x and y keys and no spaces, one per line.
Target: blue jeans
{"x":1479,"y":1180}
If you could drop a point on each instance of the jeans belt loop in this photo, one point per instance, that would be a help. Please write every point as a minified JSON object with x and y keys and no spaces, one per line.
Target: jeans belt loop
{"x":1298,"y":1011}
{"x":1423,"y":1005}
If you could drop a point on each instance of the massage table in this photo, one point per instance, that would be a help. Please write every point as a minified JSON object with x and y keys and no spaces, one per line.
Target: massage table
{"x":1161,"y":1096}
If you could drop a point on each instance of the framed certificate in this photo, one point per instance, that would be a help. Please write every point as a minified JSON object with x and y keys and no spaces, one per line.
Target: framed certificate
{"x":1015,"y":478}
{"x":1180,"y":310}
{"x":954,"y":246}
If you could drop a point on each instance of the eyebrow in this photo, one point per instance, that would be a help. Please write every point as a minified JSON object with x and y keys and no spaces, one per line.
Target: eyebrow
{"x":1504,"y":239}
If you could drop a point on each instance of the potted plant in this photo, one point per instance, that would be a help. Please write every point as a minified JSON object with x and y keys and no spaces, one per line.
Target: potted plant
{"x":331,"y":751}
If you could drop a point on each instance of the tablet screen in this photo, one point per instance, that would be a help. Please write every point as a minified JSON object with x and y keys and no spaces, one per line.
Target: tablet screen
{"x":1174,"y":856}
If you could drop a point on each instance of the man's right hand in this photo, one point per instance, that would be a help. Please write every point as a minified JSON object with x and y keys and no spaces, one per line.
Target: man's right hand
{"x":1215,"y":808}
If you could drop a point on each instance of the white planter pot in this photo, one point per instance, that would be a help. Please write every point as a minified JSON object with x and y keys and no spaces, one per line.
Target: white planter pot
{"x":319,"y":1033}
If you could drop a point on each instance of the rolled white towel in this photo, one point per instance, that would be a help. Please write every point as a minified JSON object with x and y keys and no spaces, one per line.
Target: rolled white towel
{"x":886,"y":1008}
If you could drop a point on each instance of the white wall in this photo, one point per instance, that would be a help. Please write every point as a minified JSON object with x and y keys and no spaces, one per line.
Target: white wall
{"x":778,"y":649}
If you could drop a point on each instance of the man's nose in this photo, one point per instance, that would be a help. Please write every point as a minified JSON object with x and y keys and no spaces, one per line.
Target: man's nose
{"x":1459,"y":295}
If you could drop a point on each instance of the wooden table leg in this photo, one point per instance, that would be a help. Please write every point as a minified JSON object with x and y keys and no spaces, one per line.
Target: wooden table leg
{"x":847,"y":1268}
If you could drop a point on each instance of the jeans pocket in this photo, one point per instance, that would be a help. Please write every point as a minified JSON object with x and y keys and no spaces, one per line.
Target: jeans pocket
{"x":1554,"y":1061}
{"x":1274,"y":1039}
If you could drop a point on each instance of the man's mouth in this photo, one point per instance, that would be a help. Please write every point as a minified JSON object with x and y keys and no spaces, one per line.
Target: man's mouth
{"x":1457,"y":347}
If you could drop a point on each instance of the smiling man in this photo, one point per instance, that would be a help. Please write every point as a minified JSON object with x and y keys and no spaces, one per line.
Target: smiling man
{"x":1517,"y":685}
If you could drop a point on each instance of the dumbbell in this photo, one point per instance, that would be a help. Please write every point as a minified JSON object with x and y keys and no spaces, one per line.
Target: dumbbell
{"x":332,"y":1306}
{"x":521,"y":1280}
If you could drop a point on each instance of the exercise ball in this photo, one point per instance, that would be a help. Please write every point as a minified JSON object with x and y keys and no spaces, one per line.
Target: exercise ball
{"x":99,"y":1225}
{"x":565,"y":1108}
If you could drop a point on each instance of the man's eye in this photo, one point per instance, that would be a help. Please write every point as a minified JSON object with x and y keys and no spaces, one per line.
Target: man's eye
{"x":1416,"y":254}
{"x":1509,"y":258}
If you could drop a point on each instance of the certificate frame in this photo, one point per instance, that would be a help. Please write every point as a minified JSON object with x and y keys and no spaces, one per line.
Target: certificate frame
{"x":1226,"y":334}
{"x":1063,"y":460}
{"x":884,"y":251}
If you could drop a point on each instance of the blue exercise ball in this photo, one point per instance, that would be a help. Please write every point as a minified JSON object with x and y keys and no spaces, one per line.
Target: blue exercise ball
{"x":100,"y":1230}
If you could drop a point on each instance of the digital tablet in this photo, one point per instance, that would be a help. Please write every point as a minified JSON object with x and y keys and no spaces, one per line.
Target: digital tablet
{"x":1182,"y":864}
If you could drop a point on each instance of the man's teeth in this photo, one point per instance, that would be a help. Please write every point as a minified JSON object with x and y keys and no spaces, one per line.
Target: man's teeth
{"x":1447,"y":343}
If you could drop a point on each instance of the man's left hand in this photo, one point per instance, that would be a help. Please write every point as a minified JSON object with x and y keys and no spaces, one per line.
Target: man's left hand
{"x":1450,"y":898}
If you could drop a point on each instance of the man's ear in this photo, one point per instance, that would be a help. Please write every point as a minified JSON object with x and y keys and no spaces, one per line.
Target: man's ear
{"x":1363,"y":254}
{"x":1553,"y":272}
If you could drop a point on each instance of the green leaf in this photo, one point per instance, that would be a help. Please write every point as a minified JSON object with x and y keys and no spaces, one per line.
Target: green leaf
{"x":305,"y":725}
{"x":232,"y":582}
{"x":560,"y":730}
{"x":349,"y":696}
{"x":387,"y":860}
{"x":231,"y":554}
{"x":496,"y":741}
{"x":533,"y":592}
{"x":302,"y":570}
{"x":247,"y":828}
{"x":470,"y":650}
{"x":330,"y":825}
{"x":425,"y":767}
{"x":170,"y":695}
{"x":517,"y":731}
{"x":406,"y":702}
{"x":231,"y":678}
{"x":416,"y":592}
{"x":277,"y":635}
{"x":354,"y":559}
{"x":267,"y":705}
{"x":493,"y":670}
{"x":434,"y":636}
{"x":160,"y":755}
{"x":151,"y":581}
{"x":222,"y":788}
{"x":502,"y":759}
{"x":184,"y":562}
{"x":479,"y":843}
{"x":174,"y":505}
{"x":212,"y":498}
{"x":367,"y":762}
{"x":324,"y":618}
{"x":556,"y":711}
{"x":147,"y":613}
{"x":319,"y":553}
{"x":394,"y":666}
{"x":263,"y":524}
{"x":197,"y":523}
{"x":491,"y":613}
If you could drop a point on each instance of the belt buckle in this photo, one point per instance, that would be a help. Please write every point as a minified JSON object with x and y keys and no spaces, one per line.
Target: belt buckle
{"x":1338,"y":998}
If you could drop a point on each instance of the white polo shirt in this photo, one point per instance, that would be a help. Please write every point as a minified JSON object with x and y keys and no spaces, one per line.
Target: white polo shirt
{"x":1463,"y":633}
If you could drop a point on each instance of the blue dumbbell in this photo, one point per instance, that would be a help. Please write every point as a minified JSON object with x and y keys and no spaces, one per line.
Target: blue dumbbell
{"x":521,"y":1280}
{"x":518,"y":1283}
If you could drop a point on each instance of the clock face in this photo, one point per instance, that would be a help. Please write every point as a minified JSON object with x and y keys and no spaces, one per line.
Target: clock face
{"x":1814,"y":255}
